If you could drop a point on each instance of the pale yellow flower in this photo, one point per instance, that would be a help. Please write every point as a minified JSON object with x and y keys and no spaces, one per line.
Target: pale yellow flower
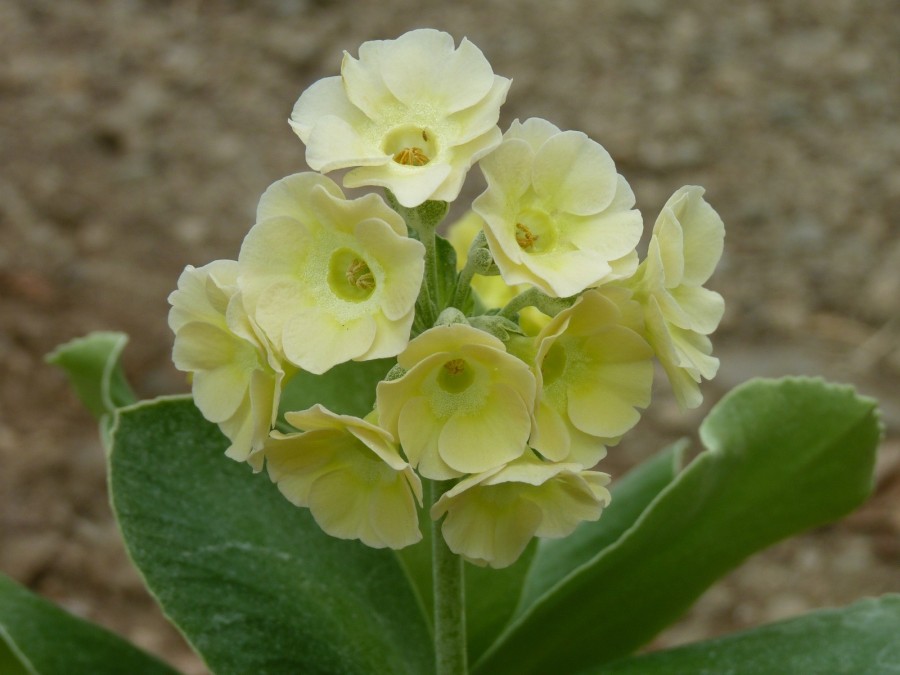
{"x":593,"y":372}
{"x":327,"y":278}
{"x":237,"y":377}
{"x":491,"y":291}
{"x":557,"y":215}
{"x":411,"y":114}
{"x":679,"y":312}
{"x":492,"y":516}
{"x":463,"y":406}
{"x":348,"y":472}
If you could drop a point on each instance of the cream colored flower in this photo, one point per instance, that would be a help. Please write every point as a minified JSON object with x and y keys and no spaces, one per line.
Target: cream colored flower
{"x":492,"y":516}
{"x":685,"y":248}
{"x":557,"y":214}
{"x":348,"y":472}
{"x":593,"y":372}
{"x":492,"y":291}
{"x":237,"y":378}
{"x":463,"y":406}
{"x":411,"y":114}
{"x":329,"y":279}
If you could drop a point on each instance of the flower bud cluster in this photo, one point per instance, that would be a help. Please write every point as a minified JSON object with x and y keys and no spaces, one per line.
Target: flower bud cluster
{"x":508,"y":388}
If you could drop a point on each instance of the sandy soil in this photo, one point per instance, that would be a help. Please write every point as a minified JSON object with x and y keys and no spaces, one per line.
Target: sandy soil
{"x":137,"y":136}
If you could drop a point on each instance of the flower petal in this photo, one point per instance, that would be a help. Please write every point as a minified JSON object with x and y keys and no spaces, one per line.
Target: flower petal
{"x":702,"y":307}
{"x":575,"y":174}
{"x":411,"y":185}
{"x":363,"y":84}
{"x":325,"y":98}
{"x":336,"y":143}
{"x":489,"y":437}
{"x":317,"y":341}
{"x":418,"y":431}
{"x":704,"y":233}
{"x":551,"y":434}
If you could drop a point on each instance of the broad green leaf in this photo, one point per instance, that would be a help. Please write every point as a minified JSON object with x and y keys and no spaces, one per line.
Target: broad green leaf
{"x":39,"y":638}
{"x":92,"y":366}
{"x":861,"y":639}
{"x":10,"y":664}
{"x":491,"y":599}
{"x":348,"y":388}
{"x":783,"y":456}
{"x":556,"y":558}
{"x":251,"y":580}
{"x":494,"y":596}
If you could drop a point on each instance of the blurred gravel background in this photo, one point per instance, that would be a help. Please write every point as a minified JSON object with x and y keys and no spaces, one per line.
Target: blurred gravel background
{"x":136,"y":138}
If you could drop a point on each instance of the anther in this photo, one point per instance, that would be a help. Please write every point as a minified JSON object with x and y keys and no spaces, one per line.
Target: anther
{"x":411,"y":157}
{"x":524,"y":237}
{"x":455,"y":366}
{"x":359,"y":275}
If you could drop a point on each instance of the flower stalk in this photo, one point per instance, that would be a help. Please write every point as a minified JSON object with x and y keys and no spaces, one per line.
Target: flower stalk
{"x":534,"y":297}
{"x":422,"y":222}
{"x":449,"y":598}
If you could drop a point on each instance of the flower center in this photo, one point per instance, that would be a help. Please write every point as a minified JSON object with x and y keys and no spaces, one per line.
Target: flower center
{"x":349,"y":276}
{"x":410,"y":145}
{"x":535,"y":231}
{"x":359,"y":275}
{"x":456,"y":376}
{"x":554,"y":364}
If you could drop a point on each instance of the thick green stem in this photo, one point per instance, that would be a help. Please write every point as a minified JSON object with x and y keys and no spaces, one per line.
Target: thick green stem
{"x":449,"y":600}
{"x":428,"y":306}
{"x":422,"y":222}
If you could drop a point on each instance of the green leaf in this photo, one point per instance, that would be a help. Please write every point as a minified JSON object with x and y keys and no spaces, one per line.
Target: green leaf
{"x":783,"y":456}
{"x":347,"y":389}
{"x":491,"y":599}
{"x":251,"y":580}
{"x":92,"y":366}
{"x":39,"y":638}
{"x":862,"y":638}
{"x":556,"y":558}
{"x":10,"y":664}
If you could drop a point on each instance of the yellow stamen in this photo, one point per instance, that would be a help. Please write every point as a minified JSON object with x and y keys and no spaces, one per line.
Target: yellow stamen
{"x":359,"y":275}
{"x":411,"y":156}
{"x":455,"y":366}
{"x":524,"y":237}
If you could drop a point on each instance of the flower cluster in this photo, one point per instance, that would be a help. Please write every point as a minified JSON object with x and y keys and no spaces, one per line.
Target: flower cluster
{"x":511,"y":381}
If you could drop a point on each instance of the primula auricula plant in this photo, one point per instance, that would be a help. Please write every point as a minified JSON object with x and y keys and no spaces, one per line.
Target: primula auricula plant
{"x":451,"y":399}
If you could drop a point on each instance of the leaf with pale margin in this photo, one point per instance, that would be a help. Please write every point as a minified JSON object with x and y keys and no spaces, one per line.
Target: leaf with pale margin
{"x":556,"y":558}
{"x":493,"y":597}
{"x":39,"y":638}
{"x":251,"y":581}
{"x":783,"y":456}
{"x":861,"y":638}
{"x":92,"y":366}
